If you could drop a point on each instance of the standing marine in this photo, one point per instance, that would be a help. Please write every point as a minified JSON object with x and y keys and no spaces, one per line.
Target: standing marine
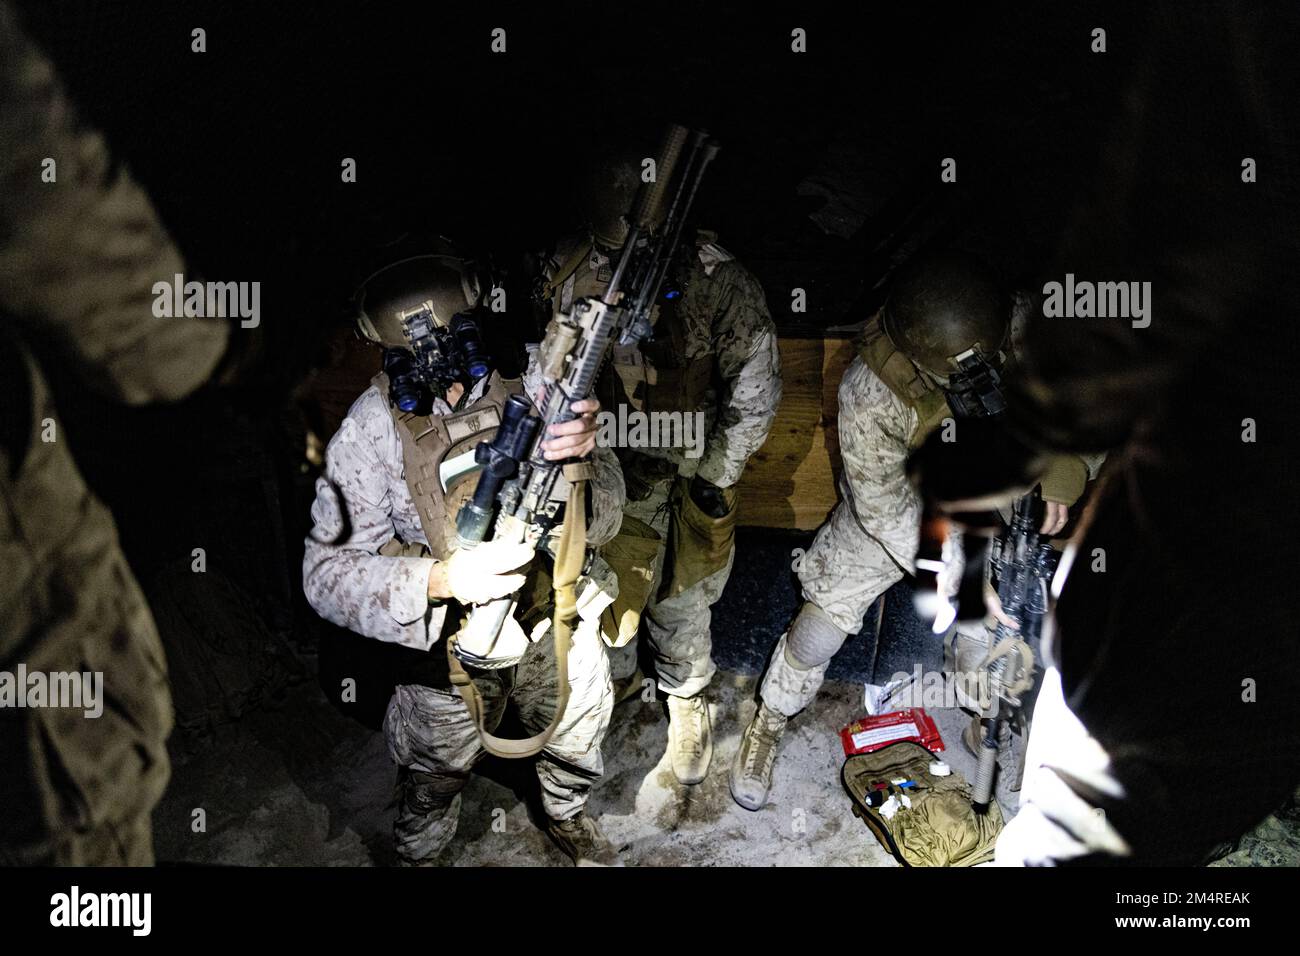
{"x":713,"y":363}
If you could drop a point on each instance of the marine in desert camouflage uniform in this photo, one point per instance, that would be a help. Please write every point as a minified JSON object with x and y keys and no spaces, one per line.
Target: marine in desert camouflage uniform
{"x":889,"y":401}
{"x":78,"y":257}
{"x":714,"y":356}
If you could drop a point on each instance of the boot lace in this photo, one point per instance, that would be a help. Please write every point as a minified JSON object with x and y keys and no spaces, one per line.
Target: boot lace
{"x":690,"y":712}
{"x":763,"y":740}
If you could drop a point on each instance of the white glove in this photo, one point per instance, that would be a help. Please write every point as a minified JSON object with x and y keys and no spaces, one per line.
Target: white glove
{"x":480,"y":574}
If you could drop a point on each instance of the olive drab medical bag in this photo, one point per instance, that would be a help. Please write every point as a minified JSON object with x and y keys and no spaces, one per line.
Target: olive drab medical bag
{"x":921,"y":817}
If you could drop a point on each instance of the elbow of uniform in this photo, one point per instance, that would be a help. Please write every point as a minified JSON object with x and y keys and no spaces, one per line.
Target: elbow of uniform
{"x":314,"y":585}
{"x":170,"y":370}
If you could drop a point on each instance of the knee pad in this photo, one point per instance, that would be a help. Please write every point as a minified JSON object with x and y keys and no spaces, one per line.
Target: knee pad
{"x":813,"y":638}
{"x":423,"y":793}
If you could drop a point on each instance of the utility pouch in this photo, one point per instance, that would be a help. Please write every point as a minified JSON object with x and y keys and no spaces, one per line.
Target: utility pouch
{"x":939,"y":828}
{"x":631,"y":553}
{"x":699,"y":545}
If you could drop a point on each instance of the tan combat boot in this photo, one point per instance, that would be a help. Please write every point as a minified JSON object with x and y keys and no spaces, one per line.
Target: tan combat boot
{"x":690,"y":739}
{"x":751,"y":773}
{"x":581,"y":839}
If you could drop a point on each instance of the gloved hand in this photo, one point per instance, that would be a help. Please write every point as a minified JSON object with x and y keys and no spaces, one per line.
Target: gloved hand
{"x":709,"y":498}
{"x":1061,"y":485}
{"x":480,"y":574}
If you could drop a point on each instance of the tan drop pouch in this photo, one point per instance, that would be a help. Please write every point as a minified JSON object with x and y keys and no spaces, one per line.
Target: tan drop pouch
{"x":631,"y":553}
{"x":698,"y":545}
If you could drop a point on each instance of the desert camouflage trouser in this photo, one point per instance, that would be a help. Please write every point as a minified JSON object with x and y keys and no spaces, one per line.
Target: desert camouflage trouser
{"x":843,"y":572}
{"x":435,"y":744}
{"x":677,"y":627}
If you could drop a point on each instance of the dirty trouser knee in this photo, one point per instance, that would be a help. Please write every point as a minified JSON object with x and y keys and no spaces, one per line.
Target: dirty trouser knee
{"x":428,"y":809}
{"x":813,"y":638}
{"x":678,"y":629}
{"x":571,"y":762}
{"x":434,"y":743}
{"x":842,"y":574}
{"x":799,"y":663}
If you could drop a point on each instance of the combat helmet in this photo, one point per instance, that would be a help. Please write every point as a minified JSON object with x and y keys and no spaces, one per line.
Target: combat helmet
{"x":425,"y":312}
{"x":442,"y":285}
{"x":944,"y":307}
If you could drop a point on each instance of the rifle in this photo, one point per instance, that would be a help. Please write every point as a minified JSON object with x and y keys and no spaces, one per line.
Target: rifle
{"x":1020,"y":568}
{"x":513,"y":498}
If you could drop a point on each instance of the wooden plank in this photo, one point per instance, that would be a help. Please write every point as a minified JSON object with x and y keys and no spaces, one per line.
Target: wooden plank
{"x":790,"y":482}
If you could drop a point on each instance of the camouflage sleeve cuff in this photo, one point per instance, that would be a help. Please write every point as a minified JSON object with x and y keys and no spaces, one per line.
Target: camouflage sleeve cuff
{"x":1064,"y":480}
{"x":408,"y":592}
{"x":716,"y":469}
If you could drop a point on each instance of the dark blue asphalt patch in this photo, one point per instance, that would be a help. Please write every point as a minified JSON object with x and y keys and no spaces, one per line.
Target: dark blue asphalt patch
{"x":763,"y":596}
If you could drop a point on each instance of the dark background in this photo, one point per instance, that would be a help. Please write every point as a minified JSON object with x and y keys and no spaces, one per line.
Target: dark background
{"x":240,"y":148}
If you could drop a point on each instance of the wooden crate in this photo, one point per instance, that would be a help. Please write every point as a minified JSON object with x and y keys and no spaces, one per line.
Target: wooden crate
{"x":790,"y":482}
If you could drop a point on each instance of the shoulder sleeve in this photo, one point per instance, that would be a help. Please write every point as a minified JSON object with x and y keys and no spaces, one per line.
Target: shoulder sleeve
{"x":875,"y":427}
{"x":345,"y":578}
{"x":749,"y":367}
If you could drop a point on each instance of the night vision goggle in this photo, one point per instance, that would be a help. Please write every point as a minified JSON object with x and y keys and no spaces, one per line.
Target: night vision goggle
{"x":975,"y":389}
{"x":438,"y":357}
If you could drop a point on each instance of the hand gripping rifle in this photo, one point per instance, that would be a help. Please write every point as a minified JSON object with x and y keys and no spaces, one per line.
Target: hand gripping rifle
{"x":512,"y":500}
{"x":1021,"y":566}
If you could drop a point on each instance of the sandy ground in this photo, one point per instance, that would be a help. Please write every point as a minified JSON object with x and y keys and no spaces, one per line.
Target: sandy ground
{"x":304,"y":785}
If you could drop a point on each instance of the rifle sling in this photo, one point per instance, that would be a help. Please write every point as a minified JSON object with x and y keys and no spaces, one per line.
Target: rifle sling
{"x":568,"y":567}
